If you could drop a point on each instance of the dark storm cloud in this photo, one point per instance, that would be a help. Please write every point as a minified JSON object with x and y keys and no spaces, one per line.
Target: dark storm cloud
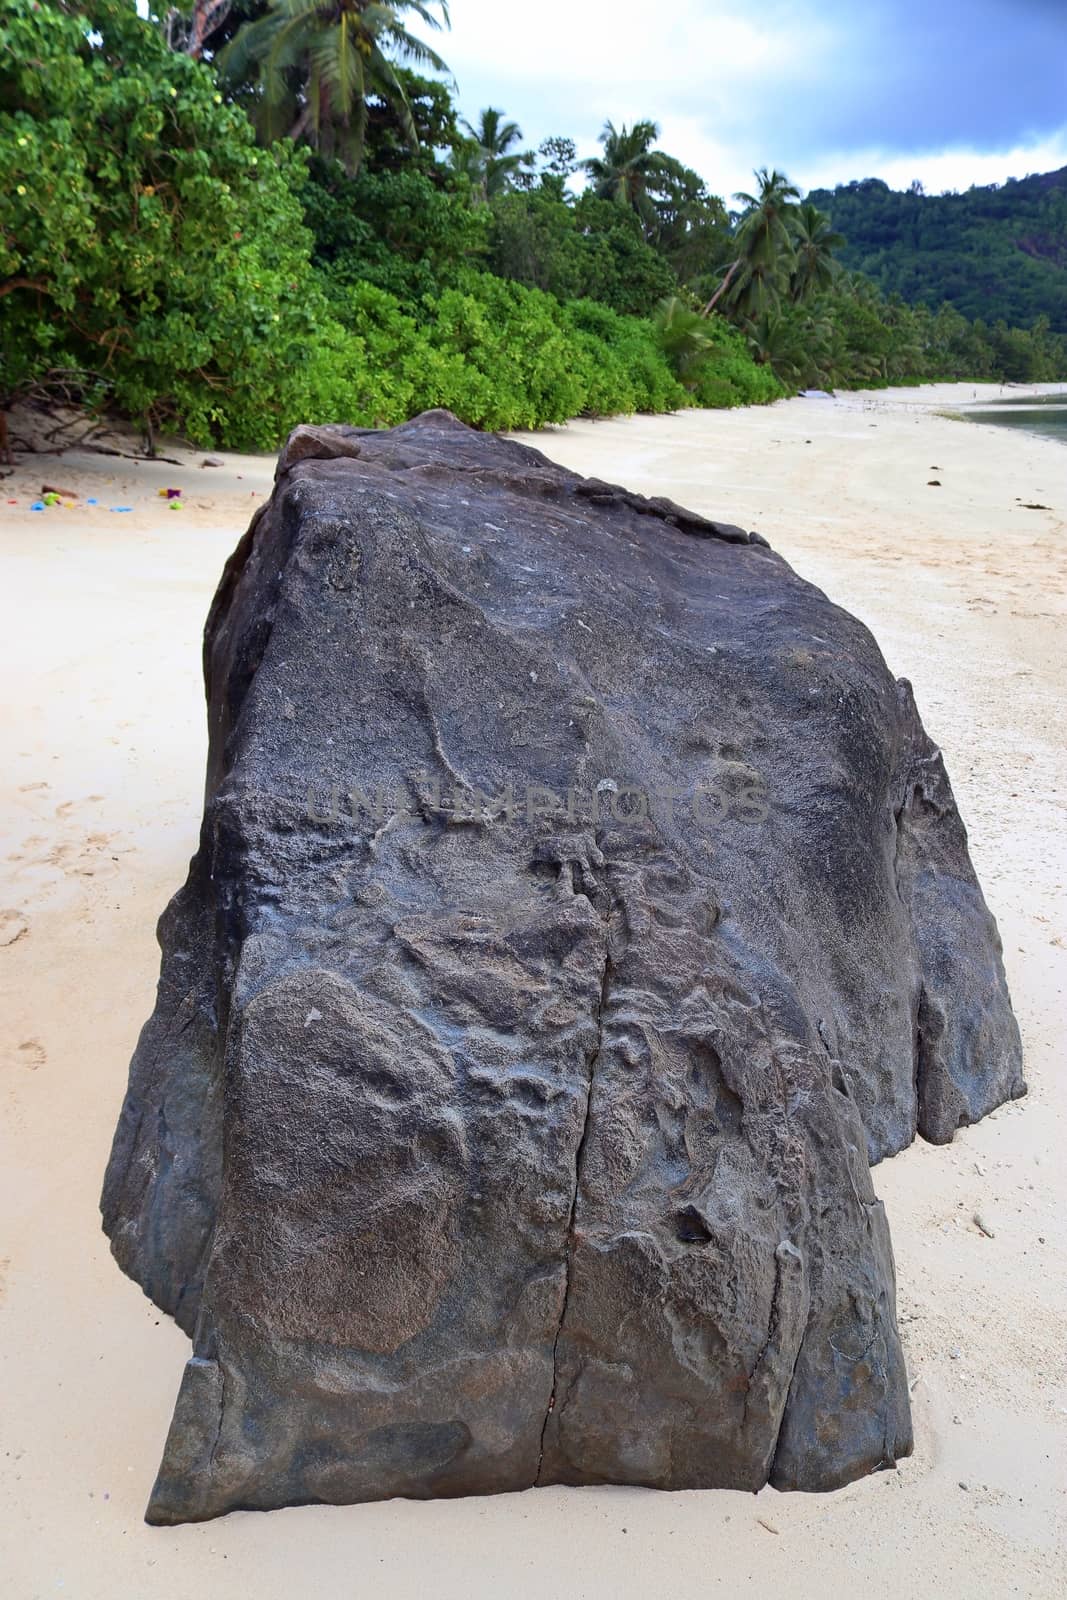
{"x":916,"y":75}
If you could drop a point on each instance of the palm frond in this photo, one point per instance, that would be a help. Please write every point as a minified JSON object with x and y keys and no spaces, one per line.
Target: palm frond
{"x":327,"y":56}
{"x":383,"y":75}
{"x":412,"y":49}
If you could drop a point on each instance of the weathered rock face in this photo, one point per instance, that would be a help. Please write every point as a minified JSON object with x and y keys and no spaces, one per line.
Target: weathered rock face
{"x":579,"y":907}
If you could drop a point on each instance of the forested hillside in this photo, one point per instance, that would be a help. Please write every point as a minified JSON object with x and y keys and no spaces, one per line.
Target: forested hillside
{"x":996,"y":252}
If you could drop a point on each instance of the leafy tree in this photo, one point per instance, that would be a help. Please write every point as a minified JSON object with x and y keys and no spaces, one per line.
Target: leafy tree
{"x":693,"y":226}
{"x":559,"y":157}
{"x":467,"y":169}
{"x":387,"y":146}
{"x":534,"y":240}
{"x":1026,"y":355}
{"x":318,"y":63}
{"x":621,"y":267}
{"x":593,"y":249}
{"x":399,"y":229}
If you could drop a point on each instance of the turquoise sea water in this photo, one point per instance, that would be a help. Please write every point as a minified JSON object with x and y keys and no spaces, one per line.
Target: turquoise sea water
{"x":1043,"y":414}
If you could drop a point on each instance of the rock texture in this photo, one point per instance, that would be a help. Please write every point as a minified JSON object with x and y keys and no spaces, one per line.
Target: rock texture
{"x":580,"y":907}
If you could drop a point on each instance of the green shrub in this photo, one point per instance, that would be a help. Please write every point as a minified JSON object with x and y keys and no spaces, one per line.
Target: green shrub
{"x":728,"y":375}
{"x":710,"y":358}
{"x":143,"y":236}
{"x":399,"y":230}
{"x":630,"y":345}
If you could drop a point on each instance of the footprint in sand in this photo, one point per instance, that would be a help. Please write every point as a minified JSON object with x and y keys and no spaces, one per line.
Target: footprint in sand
{"x":31,"y":1053}
{"x":85,"y":858}
{"x":28,"y":788}
{"x":29,"y":844}
{"x":13,"y":925}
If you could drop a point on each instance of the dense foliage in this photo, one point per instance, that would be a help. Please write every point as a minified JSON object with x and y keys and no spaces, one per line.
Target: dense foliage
{"x":170,"y":257}
{"x":999,"y":252}
{"x":585,"y":249}
{"x":317,"y":67}
{"x":146,"y":239}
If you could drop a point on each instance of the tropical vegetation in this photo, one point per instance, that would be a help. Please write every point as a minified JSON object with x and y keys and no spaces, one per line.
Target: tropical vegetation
{"x":314,"y":68}
{"x":230,"y":218}
{"x":998,"y":252}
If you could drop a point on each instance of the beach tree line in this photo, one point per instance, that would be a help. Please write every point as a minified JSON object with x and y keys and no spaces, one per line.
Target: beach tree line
{"x":229,"y":218}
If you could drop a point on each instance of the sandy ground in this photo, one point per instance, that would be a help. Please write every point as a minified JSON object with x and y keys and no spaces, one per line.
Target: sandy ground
{"x":103,"y":736}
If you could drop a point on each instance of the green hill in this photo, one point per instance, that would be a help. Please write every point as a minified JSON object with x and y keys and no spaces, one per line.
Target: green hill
{"x":995,"y":253}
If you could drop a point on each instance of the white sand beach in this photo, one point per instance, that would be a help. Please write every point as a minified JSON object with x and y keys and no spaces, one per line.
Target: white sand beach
{"x":950,"y":541}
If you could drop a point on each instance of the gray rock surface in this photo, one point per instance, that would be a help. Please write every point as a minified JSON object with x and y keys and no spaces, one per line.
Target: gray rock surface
{"x":580,"y":906}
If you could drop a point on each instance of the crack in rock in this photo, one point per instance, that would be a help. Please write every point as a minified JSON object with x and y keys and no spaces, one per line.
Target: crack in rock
{"x":606,"y":975}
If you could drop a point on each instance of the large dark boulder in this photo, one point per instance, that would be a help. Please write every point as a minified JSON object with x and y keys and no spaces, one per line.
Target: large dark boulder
{"x":579,"y":908}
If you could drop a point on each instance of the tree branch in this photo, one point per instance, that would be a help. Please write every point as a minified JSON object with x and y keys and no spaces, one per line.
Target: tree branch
{"x":23,"y":283}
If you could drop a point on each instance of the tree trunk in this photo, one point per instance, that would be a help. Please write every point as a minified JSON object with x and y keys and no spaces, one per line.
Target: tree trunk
{"x":721,"y":290}
{"x":207,"y":16}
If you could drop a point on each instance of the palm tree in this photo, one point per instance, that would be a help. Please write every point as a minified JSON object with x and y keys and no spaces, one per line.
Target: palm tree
{"x":753,"y":281}
{"x":796,"y":344}
{"x":501,"y":162}
{"x":682,"y":335}
{"x":467,"y":160}
{"x":489,"y":158}
{"x":814,"y":242}
{"x":316,"y":62}
{"x":630,"y":170}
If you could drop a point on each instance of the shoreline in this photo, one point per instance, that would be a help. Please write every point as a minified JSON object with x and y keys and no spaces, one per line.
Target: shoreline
{"x":112,"y":466}
{"x":965,"y":588}
{"x":990,"y":405}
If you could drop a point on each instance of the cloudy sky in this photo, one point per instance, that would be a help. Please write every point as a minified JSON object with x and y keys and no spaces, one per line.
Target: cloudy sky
{"x":952,"y":92}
